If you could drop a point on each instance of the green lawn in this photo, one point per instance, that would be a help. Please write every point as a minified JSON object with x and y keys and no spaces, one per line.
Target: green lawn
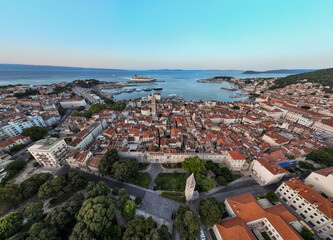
{"x":171,"y":181}
{"x":175,"y":196}
{"x":141,"y":179}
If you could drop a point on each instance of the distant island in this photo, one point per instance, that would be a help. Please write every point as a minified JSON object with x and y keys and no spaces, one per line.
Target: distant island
{"x":279,"y":71}
{"x":323,"y":76}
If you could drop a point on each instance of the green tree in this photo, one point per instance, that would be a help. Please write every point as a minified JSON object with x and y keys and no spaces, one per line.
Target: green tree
{"x":33,"y":210}
{"x":139,"y":228}
{"x":80,"y":231}
{"x":210,"y":211}
{"x":36,"y":228}
{"x":221,"y":181}
{"x":49,"y":233}
{"x":124,"y":169}
{"x":306,"y":234}
{"x":271,"y":196}
{"x":52,"y":188}
{"x":35,"y":133}
{"x":97,"y":214}
{"x":11,"y":194}
{"x":62,"y":218}
{"x":163,"y":233}
{"x":138,"y":200}
{"x":194,"y":165}
{"x":10,"y":224}
{"x":204,"y":183}
{"x":61,"y":110}
{"x":123,"y":197}
{"x":31,"y":185}
{"x":99,"y":189}
{"x":128,"y":209}
{"x":187,"y":223}
{"x":105,"y":164}
{"x":77,"y":181}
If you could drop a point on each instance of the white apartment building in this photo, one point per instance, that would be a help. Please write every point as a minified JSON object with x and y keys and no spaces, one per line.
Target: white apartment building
{"x":322,"y":180}
{"x":309,"y":204}
{"x":324,"y":126}
{"x":266,"y":172}
{"x":50,"y":152}
{"x":72,"y":103}
{"x":16,"y":127}
{"x":86,"y":137}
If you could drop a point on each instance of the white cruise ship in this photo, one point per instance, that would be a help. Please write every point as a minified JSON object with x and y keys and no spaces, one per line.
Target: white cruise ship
{"x":136,"y":78}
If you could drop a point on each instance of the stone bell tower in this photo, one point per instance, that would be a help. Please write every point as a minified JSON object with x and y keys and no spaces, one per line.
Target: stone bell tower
{"x":189,"y":189}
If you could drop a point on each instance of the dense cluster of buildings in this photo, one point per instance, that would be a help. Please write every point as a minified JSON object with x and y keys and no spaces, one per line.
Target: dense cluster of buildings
{"x":262,"y":137}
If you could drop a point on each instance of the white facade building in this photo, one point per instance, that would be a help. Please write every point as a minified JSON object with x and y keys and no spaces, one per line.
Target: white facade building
{"x":72,"y":103}
{"x":322,"y":180}
{"x":16,"y":127}
{"x":309,"y":204}
{"x":49,"y":152}
{"x":266,"y":172}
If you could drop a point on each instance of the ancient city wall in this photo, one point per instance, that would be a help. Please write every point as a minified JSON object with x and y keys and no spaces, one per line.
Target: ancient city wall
{"x":155,"y":157}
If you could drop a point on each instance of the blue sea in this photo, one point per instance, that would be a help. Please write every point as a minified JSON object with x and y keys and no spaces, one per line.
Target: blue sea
{"x":181,"y":82}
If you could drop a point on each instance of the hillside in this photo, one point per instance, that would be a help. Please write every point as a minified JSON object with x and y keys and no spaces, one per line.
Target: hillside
{"x":279,"y":71}
{"x":324,"y":76}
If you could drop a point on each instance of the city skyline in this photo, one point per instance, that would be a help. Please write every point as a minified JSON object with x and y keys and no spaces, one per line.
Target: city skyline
{"x":173,"y":35}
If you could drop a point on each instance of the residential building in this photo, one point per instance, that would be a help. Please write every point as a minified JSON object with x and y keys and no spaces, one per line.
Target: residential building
{"x":235,"y":160}
{"x":248,"y":219}
{"x":16,"y":127}
{"x":13,"y":141}
{"x":322,"y":180}
{"x":49,"y":152}
{"x":73,"y":103}
{"x":309,"y":204}
{"x":266,"y":172}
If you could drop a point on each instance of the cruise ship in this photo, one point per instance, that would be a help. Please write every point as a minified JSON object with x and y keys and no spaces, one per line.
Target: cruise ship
{"x":136,"y":78}
{"x":230,"y":88}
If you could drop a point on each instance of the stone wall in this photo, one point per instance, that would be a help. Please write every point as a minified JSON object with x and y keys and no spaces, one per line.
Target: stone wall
{"x":157,"y":157}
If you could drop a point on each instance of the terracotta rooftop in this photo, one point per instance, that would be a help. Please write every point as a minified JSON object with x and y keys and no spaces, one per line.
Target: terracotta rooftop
{"x":274,"y":169}
{"x":325,"y":172}
{"x":247,"y":209}
{"x":236,"y":155}
{"x":313,"y":197}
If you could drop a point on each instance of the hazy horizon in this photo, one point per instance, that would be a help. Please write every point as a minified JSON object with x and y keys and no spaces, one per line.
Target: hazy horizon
{"x":215,"y":34}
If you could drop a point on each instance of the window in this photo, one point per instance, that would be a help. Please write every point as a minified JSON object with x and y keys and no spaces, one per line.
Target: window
{"x":318,"y":222}
{"x":311,"y":216}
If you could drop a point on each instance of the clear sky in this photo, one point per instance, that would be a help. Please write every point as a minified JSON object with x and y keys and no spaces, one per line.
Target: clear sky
{"x":150,"y":34}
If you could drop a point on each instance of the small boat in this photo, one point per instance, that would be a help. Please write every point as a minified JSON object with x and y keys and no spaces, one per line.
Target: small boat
{"x":147,"y":89}
{"x":157,"y":89}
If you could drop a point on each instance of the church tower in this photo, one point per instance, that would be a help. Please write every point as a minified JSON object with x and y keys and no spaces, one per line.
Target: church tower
{"x":189,"y":189}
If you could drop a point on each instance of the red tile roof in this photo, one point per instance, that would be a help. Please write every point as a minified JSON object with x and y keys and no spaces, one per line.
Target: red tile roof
{"x":247,"y":209}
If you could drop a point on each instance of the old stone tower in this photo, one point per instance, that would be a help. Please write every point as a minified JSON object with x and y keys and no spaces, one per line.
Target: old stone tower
{"x":189,"y":189}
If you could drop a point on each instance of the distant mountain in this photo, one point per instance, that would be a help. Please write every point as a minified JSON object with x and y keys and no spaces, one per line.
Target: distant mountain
{"x":323,"y":76}
{"x":279,"y":71}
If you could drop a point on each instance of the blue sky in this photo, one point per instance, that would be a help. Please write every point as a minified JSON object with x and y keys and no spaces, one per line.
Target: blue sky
{"x":153,"y":34}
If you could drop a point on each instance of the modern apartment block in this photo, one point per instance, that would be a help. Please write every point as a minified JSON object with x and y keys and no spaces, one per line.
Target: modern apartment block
{"x":50,"y":152}
{"x":309,"y":204}
{"x":14,"y":128}
{"x":322,"y":180}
